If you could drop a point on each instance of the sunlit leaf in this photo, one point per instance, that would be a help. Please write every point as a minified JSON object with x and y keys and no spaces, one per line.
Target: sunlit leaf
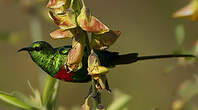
{"x":52,"y":100}
{"x":36,"y":95}
{"x":103,"y":41}
{"x":48,"y":89}
{"x":14,"y":101}
{"x":25,"y":99}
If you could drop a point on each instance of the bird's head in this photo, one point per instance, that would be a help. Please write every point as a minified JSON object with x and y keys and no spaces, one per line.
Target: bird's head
{"x":38,"y":48}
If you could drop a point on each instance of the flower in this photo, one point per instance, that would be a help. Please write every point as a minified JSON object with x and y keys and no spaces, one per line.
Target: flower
{"x":190,"y":10}
{"x":97,"y":71}
{"x":103,"y":41}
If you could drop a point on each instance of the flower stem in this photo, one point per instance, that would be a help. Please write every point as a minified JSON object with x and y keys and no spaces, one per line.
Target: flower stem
{"x":94,"y":92}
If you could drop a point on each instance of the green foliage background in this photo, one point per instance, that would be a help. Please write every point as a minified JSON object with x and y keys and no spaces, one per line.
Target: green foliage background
{"x":147,"y":28}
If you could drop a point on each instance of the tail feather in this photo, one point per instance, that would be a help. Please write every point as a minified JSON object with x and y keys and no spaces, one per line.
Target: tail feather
{"x":133,"y":57}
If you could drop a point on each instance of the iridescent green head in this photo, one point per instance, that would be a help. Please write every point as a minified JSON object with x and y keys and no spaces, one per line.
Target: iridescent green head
{"x":45,"y":56}
{"x":38,"y":48}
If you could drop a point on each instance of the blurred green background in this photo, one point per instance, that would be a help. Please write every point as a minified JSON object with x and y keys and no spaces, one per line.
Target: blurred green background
{"x":147,"y":27}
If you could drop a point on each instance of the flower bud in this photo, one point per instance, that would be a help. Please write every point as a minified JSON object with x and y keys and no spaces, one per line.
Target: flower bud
{"x":94,"y":66}
{"x":76,"y":53}
{"x":85,"y":106}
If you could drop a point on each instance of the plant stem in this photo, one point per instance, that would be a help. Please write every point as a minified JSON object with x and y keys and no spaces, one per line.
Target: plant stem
{"x":48,"y":90}
{"x":94,"y":92}
{"x":96,"y":99}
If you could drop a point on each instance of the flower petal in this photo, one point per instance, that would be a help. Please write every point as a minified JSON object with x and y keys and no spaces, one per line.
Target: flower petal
{"x":103,"y":41}
{"x":191,"y":10}
{"x":55,"y":3}
{"x":76,"y":53}
{"x":59,"y":34}
{"x":94,"y":66}
{"x":65,"y":21}
{"x":90,"y":23}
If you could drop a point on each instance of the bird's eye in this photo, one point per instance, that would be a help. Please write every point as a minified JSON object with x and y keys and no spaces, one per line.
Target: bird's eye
{"x":37,"y":48}
{"x":63,"y":51}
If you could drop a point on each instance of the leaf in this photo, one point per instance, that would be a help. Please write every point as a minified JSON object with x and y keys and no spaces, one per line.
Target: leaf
{"x":103,"y":41}
{"x":120,"y":101}
{"x":14,"y":101}
{"x":48,"y":89}
{"x":180,"y":34}
{"x":37,"y":96}
{"x":52,"y":100}
{"x":25,"y":99}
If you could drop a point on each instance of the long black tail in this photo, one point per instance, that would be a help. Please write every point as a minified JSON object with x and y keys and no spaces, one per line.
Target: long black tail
{"x":133,"y":57}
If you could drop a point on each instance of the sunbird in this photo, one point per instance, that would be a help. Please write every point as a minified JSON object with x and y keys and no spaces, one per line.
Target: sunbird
{"x":53,"y":60}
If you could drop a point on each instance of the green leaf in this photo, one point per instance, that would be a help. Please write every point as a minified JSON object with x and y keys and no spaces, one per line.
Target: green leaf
{"x":52,"y":100}
{"x":37,"y":96}
{"x":48,"y":89}
{"x":24,"y":99}
{"x":180,"y":34}
{"x":14,"y":101}
{"x":120,"y":101}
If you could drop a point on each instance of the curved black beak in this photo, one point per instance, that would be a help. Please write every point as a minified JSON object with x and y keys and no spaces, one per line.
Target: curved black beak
{"x":25,"y":49}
